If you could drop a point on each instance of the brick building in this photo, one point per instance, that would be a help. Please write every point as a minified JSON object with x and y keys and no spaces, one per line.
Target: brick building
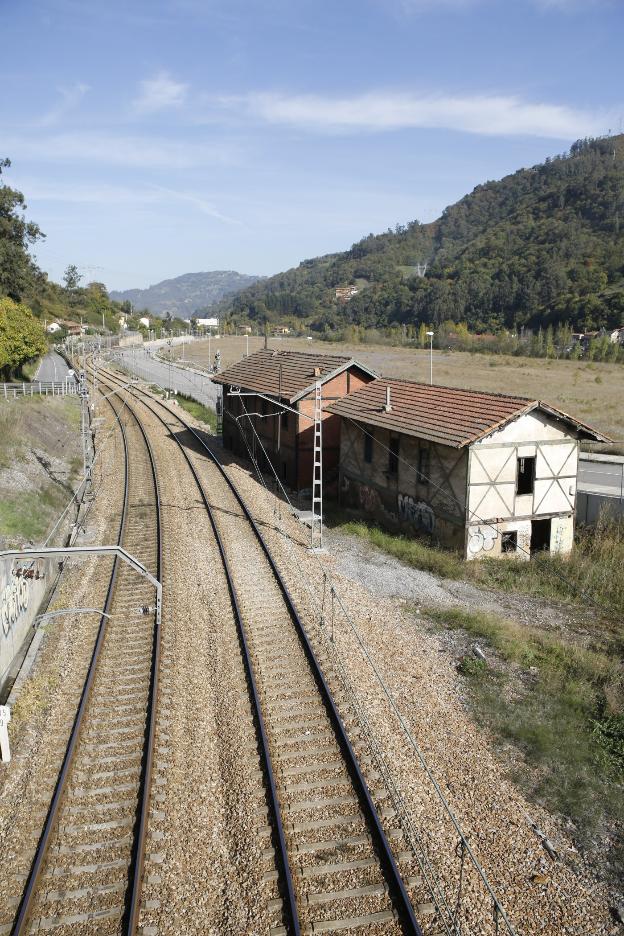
{"x":287,"y":378}
{"x":484,"y":473}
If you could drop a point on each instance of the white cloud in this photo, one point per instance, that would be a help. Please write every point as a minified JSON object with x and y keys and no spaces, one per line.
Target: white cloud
{"x":114,"y":150}
{"x":418,"y":6}
{"x":490,"y":115}
{"x":160,"y":93}
{"x":70,"y":98}
{"x":119,"y":195}
{"x":206,"y":207}
{"x":410,"y":7}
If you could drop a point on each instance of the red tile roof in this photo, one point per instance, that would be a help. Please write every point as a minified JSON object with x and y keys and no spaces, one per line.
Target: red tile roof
{"x":299,"y":372}
{"x":446,"y":415}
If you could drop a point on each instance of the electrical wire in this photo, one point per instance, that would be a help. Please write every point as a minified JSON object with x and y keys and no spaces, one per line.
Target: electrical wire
{"x":576,"y":589}
{"x":389,"y":696}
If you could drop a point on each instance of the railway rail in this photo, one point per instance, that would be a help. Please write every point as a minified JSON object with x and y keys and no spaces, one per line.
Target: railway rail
{"x":335,"y":868}
{"x":87,"y":868}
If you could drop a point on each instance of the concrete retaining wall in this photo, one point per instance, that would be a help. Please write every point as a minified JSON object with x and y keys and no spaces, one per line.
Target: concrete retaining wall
{"x":20,"y":600}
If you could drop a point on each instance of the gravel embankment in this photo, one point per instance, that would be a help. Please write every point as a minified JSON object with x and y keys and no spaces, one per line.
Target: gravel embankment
{"x":540,"y":895}
{"x":43,"y":713}
{"x":206,"y":869}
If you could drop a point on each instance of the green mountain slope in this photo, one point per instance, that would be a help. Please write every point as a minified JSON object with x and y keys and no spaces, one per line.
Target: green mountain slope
{"x":543,"y":245}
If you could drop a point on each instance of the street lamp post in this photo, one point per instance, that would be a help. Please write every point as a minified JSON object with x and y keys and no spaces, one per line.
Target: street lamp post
{"x":430,"y":334}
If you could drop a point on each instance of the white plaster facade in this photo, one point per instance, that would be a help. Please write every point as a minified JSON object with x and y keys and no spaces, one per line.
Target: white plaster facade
{"x":492,"y":488}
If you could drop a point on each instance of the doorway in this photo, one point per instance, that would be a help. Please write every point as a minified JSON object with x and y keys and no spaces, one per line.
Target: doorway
{"x":540,"y":536}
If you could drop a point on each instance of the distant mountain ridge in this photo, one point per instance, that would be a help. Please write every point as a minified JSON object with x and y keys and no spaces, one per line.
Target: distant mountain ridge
{"x":186,"y":295}
{"x":542,"y":246}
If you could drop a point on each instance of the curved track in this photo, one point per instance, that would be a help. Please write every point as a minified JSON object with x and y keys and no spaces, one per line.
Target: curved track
{"x":335,"y":866}
{"x":86,"y":873}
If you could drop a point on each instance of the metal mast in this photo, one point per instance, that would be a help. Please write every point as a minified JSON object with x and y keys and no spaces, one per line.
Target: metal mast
{"x":317,"y":472}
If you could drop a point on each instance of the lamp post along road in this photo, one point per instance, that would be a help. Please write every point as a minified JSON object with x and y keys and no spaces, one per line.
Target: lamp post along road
{"x":430,"y":334}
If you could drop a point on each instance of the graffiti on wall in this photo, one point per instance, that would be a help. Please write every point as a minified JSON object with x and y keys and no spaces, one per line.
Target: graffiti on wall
{"x":482,"y":540}
{"x":369,"y":498}
{"x":416,"y":513}
{"x":13,"y":601}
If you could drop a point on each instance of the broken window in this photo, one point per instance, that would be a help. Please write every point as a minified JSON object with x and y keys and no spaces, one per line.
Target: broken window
{"x":393,"y":455}
{"x":509,"y":541}
{"x":525,"y":478}
{"x":422,"y":472}
{"x":368,"y":447}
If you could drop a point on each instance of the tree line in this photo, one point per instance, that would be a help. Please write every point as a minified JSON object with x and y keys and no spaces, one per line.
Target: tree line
{"x":542,"y":247}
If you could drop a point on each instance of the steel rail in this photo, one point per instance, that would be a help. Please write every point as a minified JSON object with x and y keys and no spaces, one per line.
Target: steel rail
{"x":264,"y":743}
{"x":21,"y":919}
{"x":393,"y":876}
{"x":132,"y":896}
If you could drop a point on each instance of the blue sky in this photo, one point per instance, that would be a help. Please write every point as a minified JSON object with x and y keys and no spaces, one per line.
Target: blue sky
{"x":162,"y":137}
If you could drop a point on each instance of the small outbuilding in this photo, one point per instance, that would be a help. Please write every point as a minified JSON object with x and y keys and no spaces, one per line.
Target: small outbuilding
{"x":484,"y":473}
{"x":268,"y":403}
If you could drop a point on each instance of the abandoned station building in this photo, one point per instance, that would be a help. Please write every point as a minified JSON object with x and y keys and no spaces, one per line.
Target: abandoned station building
{"x":272,"y":393}
{"x":484,"y":473}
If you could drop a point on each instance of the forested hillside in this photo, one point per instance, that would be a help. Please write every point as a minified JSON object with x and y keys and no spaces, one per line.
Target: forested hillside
{"x":186,"y":295}
{"x":542,"y":246}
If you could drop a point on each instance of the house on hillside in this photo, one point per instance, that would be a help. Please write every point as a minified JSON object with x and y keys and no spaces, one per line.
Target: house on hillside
{"x":344,"y":293}
{"x":73,"y":328}
{"x":53,"y":327}
{"x":268,"y":403}
{"x":484,"y":473}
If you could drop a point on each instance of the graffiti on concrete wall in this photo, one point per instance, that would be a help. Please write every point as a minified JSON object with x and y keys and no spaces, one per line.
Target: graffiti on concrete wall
{"x":482,"y":540}
{"x":13,"y":601}
{"x":370,"y":499}
{"x":21,"y":592}
{"x":416,"y":513}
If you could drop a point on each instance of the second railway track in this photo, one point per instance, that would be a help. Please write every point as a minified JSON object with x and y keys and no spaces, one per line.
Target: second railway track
{"x":86,"y":873}
{"x":335,"y":868}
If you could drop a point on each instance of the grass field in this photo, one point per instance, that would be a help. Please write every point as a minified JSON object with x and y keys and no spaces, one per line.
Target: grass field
{"x":592,"y":392}
{"x":561,"y":705}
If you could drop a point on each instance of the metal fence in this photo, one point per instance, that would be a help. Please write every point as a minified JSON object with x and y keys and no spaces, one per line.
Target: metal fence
{"x":10,"y":391}
{"x":600,"y":488}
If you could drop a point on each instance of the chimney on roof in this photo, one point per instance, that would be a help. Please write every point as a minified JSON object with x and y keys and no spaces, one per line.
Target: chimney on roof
{"x":388,"y":406}
{"x":317,"y":371}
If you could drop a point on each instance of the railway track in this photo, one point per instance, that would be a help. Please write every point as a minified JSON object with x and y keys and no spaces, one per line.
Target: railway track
{"x":334,"y":867}
{"x":86,"y":873}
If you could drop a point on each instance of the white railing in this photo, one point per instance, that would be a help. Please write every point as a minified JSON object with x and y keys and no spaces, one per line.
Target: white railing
{"x":10,"y":391}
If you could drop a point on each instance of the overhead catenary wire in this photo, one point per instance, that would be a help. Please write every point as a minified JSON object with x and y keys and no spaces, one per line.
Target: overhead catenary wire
{"x":488,"y":523}
{"x":598,"y":605}
{"x":498,"y":909}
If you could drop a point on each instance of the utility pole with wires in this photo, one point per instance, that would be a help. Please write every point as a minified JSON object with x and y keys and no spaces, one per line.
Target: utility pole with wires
{"x":85,"y":432}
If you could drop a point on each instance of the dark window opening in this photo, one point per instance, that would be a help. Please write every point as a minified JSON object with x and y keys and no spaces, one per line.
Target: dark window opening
{"x":424,"y":460}
{"x":525,"y":479}
{"x":368,"y":448}
{"x":393,"y":456}
{"x":540,"y":536}
{"x":285,"y":419}
{"x":509,"y":542}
